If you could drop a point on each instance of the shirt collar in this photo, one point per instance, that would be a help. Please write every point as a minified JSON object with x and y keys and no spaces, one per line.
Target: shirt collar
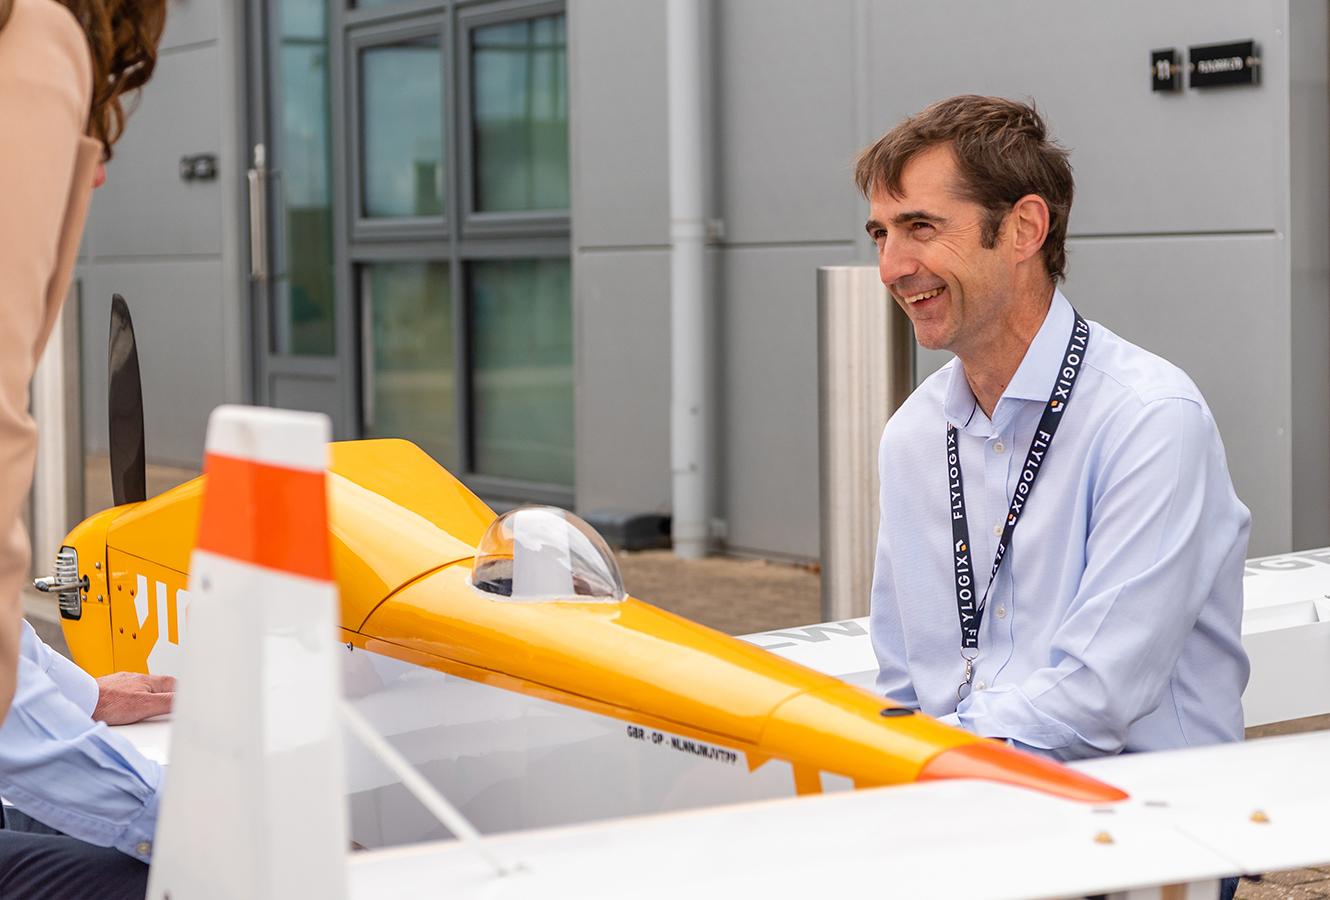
{"x":1034,"y":377}
{"x":960,"y":406}
{"x":1039,"y":368}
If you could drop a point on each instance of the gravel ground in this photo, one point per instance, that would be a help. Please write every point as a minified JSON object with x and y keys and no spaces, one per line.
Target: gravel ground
{"x":1295,"y":884}
{"x":97,"y":481}
{"x":736,"y":596}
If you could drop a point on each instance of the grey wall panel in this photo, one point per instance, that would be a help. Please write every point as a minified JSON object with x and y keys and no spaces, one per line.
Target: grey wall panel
{"x":190,"y":22}
{"x":1145,"y":162}
{"x":618,"y":134}
{"x":311,"y":394}
{"x":177,"y":314}
{"x":769,"y":374}
{"x":1217,"y":307}
{"x":144,"y":209}
{"x":623,"y":380}
{"x":1309,"y":246}
{"x":786,"y":120}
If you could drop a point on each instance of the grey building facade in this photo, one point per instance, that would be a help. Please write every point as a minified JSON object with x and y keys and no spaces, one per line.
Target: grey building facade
{"x":521,"y":311}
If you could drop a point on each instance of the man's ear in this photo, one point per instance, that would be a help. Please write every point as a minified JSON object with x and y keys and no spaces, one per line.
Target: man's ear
{"x":1029,"y":225}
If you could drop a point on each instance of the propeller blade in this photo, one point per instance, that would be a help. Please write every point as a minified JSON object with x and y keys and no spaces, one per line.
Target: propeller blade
{"x":129,"y":482}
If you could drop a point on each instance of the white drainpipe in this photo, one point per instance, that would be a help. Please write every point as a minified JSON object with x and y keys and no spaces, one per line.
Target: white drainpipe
{"x":689,"y":407}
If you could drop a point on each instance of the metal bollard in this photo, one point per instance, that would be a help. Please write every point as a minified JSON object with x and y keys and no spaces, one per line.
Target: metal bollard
{"x":865,"y":371}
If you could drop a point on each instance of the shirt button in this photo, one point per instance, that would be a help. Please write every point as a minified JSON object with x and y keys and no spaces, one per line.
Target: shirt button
{"x":998,"y":448}
{"x":144,"y":848}
{"x":1000,"y":612}
{"x":997,"y":529}
{"x":980,"y":686}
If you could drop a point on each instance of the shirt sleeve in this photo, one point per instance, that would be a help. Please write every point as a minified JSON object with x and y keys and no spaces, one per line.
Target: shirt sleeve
{"x":1165,"y":529}
{"x":885,"y":627}
{"x":67,"y":771}
{"x":78,"y":686}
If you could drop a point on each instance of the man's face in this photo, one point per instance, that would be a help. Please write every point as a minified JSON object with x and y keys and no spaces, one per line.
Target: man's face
{"x":931,"y":257}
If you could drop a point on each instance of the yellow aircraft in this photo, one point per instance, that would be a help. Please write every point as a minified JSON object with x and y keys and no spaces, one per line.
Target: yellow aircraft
{"x":530,"y":602}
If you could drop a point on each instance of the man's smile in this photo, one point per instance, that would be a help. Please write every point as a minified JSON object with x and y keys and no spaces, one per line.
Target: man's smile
{"x":924,"y":295}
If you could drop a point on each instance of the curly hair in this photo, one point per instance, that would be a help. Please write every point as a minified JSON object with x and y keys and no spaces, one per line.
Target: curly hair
{"x":1003,"y":152}
{"x":123,"y":36}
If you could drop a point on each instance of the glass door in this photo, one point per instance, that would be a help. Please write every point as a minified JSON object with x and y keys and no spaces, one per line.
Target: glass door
{"x":418,"y":281}
{"x":300,"y":351}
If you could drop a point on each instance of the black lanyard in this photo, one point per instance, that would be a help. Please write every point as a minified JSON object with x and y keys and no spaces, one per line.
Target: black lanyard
{"x":971,"y":613}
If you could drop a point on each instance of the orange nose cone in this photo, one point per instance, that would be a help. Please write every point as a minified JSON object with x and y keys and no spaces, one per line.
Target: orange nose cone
{"x":995,"y":762}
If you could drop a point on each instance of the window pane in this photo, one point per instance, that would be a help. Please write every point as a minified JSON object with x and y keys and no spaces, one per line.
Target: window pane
{"x":519,"y":103}
{"x":402,"y":129}
{"x":303,"y":293}
{"x":522,"y":384}
{"x":409,"y":384}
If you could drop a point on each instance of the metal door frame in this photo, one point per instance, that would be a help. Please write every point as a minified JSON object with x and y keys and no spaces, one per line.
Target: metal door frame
{"x":341,"y":368}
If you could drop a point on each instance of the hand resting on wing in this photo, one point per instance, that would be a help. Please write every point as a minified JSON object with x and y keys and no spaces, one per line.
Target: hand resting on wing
{"x":126,"y":697}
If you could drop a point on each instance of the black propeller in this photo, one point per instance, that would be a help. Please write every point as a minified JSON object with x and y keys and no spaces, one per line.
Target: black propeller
{"x":128,"y":466}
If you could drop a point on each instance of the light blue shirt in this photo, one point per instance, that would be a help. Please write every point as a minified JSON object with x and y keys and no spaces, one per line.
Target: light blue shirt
{"x":67,"y":771}
{"x":1114,"y":621}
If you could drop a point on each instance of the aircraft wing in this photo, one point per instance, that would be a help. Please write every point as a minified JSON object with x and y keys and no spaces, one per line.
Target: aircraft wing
{"x":839,"y":649}
{"x":1195,"y":816}
{"x":1285,"y":631}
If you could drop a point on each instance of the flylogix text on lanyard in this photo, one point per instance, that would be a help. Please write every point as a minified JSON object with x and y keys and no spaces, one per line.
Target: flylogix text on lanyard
{"x":972,"y":613}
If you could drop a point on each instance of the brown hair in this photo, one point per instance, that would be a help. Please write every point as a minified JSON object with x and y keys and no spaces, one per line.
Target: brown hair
{"x":123,"y":36}
{"x":1002,"y":153}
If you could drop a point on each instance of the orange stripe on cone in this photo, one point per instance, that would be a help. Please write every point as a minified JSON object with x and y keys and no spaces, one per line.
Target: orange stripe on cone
{"x":266,"y":515}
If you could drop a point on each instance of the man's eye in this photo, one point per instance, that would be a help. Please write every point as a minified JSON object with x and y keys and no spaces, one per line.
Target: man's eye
{"x":919,"y":226}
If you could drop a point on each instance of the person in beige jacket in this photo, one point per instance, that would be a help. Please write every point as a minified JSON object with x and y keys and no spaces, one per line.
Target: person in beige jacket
{"x":47,"y":165}
{"x":63,"y":68}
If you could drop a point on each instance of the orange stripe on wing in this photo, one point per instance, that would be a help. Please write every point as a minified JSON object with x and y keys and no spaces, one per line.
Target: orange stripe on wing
{"x":266,"y":515}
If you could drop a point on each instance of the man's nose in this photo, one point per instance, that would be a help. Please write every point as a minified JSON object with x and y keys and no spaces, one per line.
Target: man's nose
{"x":893,"y":261}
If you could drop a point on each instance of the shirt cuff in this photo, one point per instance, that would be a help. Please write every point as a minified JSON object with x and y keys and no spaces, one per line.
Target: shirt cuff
{"x":136,"y":839}
{"x":1006,"y":713}
{"x":954,"y":720}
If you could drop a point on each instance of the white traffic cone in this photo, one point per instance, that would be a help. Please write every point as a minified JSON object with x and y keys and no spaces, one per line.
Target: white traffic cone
{"x":254,"y":805}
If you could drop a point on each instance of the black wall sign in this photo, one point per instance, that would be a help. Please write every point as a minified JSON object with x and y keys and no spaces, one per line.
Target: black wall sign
{"x":1165,"y":73}
{"x":1214,"y":65}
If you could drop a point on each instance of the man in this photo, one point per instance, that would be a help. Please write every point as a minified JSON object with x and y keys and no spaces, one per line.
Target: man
{"x":1112,"y":620}
{"x":84,"y":800}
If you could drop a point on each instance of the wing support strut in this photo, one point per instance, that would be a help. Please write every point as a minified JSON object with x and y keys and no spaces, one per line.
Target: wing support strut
{"x":423,"y":791}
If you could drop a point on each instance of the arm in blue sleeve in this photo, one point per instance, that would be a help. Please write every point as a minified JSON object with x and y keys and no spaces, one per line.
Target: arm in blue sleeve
{"x":67,"y":771}
{"x":1164,"y":525}
{"x":78,"y":686}
{"x":884,"y":626}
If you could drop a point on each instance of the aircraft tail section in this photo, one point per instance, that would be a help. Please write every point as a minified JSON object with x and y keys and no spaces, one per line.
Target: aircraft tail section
{"x":254,"y":805}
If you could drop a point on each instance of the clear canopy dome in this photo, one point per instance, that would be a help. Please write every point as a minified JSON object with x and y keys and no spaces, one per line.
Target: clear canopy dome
{"x":543,"y":554}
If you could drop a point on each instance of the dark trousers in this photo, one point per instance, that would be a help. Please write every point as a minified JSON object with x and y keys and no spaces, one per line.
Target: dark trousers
{"x":39,"y":863}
